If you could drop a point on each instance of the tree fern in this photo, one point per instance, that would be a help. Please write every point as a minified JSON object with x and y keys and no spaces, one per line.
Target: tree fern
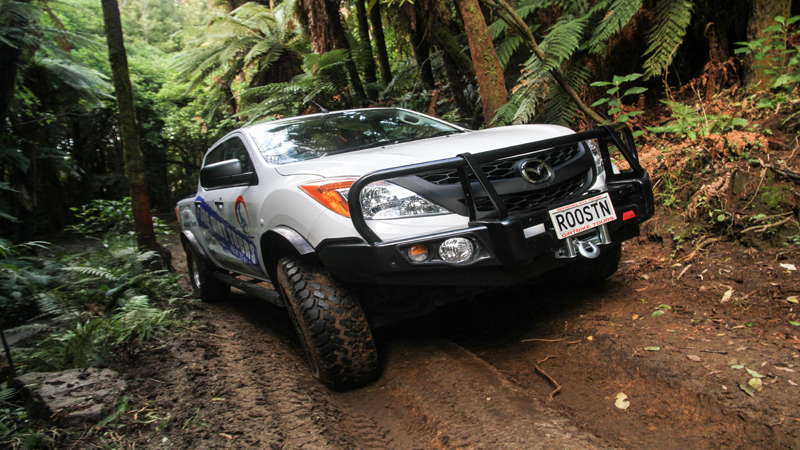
{"x":672,"y":18}
{"x":620,"y":12}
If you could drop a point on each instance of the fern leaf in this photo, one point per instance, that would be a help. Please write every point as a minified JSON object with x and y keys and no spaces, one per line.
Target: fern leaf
{"x":559,"y":108}
{"x":506,"y":49}
{"x":619,"y":14}
{"x":93,"y":271}
{"x":559,"y":44}
{"x":672,"y":18}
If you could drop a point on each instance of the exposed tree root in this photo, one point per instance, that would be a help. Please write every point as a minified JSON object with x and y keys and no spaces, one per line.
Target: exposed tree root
{"x":703,"y":244}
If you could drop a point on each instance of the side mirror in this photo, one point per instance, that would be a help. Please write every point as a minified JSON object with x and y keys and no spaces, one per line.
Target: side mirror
{"x":226,"y":174}
{"x":463,"y":125}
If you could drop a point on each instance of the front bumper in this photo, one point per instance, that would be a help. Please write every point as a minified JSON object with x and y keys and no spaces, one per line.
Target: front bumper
{"x":506,"y":256}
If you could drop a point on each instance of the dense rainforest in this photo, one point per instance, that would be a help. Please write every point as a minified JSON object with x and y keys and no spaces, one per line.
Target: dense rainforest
{"x":199,"y":69}
{"x":107,"y":108}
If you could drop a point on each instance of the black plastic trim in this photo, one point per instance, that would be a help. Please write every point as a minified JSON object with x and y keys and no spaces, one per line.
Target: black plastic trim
{"x":192,"y":240}
{"x":294,"y":238}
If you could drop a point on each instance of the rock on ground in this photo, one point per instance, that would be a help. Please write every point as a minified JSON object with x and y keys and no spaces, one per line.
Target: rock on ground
{"x":72,"y":397}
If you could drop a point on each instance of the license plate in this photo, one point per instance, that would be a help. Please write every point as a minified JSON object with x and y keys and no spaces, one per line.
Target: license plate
{"x":584,"y":215}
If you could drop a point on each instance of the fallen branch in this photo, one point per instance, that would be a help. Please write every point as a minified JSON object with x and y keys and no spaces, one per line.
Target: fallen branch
{"x":763,"y":228}
{"x":540,"y":362}
{"x":684,"y":271}
{"x":543,"y":340}
{"x":541,"y":372}
{"x":792,"y":175}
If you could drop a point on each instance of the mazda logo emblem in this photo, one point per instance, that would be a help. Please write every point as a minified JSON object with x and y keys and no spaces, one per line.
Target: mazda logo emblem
{"x":535,"y":171}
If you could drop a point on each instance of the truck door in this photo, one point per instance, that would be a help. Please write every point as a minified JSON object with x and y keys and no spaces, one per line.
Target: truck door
{"x":223,"y":215}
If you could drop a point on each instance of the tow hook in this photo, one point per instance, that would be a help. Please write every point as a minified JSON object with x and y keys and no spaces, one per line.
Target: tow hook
{"x":586,"y":245}
{"x":587,"y":249}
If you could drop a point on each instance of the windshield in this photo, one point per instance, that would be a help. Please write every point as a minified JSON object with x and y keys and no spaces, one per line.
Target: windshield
{"x":308,"y":138}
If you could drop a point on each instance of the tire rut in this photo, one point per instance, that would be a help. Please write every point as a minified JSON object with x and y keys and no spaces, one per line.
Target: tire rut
{"x":448,"y":398}
{"x":267,"y":384}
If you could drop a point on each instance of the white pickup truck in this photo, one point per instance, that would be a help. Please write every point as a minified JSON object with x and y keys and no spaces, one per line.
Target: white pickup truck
{"x":364,"y":217}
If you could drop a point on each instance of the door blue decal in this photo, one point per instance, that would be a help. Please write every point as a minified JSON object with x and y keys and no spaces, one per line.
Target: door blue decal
{"x":233,"y":241}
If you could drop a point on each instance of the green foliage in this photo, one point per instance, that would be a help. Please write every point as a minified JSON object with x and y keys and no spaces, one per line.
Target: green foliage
{"x":775,"y":55}
{"x":614,"y":102}
{"x":672,"y":19}
{"x":325,"y":81}
{"x":233,"y":46}
{"x":103,"y":306}
{"x":620,"y":12}
{"x":558,"y":107}
{"x":101,"y":216}
{"x":690,"y":121}
{"x":21,"y":278}
{"x":776,"y":197}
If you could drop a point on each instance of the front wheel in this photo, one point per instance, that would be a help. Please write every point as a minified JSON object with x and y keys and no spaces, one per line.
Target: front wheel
{"x":330,"y":324}
{"x":201,"y":277}
{"x":587,"y":272}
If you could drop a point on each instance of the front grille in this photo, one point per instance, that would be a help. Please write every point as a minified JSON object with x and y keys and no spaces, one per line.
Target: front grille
{"x":503,"y":169}
{"x":522,"y":202}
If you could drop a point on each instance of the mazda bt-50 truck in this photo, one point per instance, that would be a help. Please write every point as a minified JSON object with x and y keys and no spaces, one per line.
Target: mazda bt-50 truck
{"x":364,"y":217}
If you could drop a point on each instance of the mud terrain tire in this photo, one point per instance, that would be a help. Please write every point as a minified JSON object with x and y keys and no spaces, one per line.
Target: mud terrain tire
{"x":587,"y":272}
{"x":201,"y":277}
{"x":330,"y":324}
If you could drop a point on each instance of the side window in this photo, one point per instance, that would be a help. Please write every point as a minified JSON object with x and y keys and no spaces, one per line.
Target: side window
{"x":237,"y":150}
{"x":216,"y":155}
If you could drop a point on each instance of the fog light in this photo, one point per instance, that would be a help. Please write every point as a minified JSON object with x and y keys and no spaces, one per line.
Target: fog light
{"x":456,"y":250}
{"x":418,"y":253}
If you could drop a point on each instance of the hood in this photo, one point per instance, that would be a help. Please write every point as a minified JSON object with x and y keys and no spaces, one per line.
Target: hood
{"x":361,"y":162}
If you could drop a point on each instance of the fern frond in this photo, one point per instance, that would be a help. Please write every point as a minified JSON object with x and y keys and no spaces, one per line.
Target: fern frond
{"x":146,"y":256}
{"x":559,"y":109}
{"x":672,"y":18}
{"x":98,"y":272}
{"x":506,"y":50}
{"x":619,"y":14}
{"x":560,"y":43}
{"x":50,"y":304}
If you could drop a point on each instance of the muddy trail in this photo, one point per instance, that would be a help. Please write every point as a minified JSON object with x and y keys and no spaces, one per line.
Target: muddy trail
{"x":663,"y":356}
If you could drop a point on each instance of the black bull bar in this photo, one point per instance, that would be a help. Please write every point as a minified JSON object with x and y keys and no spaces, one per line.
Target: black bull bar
{"x":618,"y":135}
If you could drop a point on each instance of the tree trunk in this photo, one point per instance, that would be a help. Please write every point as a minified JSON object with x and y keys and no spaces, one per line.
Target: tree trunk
{"x":487,"y":65}
{"x":762,"y":15}
{"x":422,"y":43}
{"x":380,"y":43}
{"x":134,"y":165}
{"x":457,"y":65}
{"x":322,"y":20}
{"x":9,"y":61}
{"x":341,"y":42}
{"x":366,"y":47}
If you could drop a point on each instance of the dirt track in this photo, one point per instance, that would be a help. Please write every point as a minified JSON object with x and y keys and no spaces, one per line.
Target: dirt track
{"x":463,"y":377}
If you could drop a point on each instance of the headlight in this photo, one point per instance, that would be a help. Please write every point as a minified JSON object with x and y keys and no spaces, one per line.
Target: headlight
{"x":383,"y":200}
{"x":598,"y":157}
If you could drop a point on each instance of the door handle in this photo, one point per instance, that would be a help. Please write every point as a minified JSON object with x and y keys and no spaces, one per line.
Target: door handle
{"x":219,"y":205}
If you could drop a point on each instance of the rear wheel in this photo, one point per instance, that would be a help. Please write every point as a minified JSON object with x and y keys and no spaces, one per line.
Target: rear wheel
{"x":330,"y":324}
{"x":201,"y":277}
{"x":587,"y":272}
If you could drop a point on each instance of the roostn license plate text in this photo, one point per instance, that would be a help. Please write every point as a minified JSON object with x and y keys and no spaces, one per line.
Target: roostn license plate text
{"x":584,"y":215}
